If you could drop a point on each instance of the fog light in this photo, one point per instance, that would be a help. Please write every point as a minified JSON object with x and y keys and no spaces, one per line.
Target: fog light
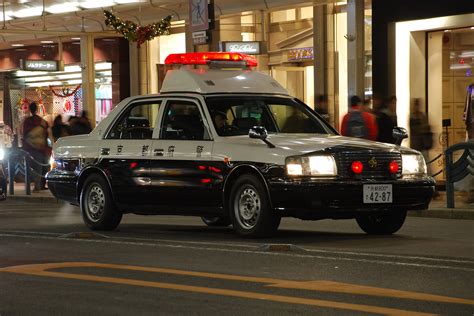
{"x":357,"y":167}
{"x":393,"y":166}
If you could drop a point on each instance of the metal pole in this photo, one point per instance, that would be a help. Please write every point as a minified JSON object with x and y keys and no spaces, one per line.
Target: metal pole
{"x":27,"y":176}
{"x":449,"y":183}
{"x":11,"y":173}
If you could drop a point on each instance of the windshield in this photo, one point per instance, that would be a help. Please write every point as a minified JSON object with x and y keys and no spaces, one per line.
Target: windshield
{"x":235,"y":115}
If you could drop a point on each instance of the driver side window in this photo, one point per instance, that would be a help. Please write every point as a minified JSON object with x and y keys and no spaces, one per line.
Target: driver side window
{"x":183,"y":121}
{"x":137,"y":122}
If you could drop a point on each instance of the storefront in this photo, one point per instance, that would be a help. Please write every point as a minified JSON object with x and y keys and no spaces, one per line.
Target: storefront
{"x":35,"y":73}
{"x":429,"y":59}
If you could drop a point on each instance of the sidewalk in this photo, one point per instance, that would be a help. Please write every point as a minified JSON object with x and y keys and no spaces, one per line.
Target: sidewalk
{"x":437,"y":207}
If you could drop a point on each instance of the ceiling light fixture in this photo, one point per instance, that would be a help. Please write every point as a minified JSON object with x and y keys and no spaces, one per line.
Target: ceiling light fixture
{"x":63,"y":8}
{"x":28,"y":12}
{"x":126,"y":1}
{"x":47,"y":42}
{"x":18,"y":45}
{"x":89,"y":4}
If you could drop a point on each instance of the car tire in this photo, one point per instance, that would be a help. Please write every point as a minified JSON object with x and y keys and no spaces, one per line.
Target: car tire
{"x":250,"y":209}
{"x":96,"y":204}
{"x":216,"y":221}
{"x":382,"y":224}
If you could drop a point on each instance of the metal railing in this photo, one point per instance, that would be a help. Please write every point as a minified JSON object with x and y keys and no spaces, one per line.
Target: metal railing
{"x":17,"y":155}
{"x":459,"y":169}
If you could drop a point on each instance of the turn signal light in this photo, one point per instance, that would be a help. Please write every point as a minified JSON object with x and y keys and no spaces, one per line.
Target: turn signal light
{"x":357,"y":167}
{"x":393,"y":166}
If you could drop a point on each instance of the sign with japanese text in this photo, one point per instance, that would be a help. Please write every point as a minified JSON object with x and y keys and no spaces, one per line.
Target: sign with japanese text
{"x":301,"y":54}
{"x":39,"y":65}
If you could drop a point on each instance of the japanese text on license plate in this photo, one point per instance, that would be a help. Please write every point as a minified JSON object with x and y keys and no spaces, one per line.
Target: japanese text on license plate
{"x":378,"y":193}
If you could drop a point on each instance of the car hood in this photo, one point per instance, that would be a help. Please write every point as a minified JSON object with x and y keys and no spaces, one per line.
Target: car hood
{"x":307,"y":143}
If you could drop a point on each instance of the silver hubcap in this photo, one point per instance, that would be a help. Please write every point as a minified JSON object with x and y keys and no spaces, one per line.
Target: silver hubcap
{"x":247,"y":207}
{"x":95,"y":203}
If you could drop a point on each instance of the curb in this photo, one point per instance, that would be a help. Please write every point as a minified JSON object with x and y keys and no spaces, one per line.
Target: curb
{"x":34,"y":199}
{"x":455,"y":213}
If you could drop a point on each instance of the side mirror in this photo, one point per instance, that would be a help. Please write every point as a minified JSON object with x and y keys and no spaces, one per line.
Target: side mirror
{"x":399,"y":133}
{"x":260,"y":132}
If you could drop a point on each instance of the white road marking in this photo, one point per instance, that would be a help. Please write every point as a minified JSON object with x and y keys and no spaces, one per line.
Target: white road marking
{"x":283,"y":254}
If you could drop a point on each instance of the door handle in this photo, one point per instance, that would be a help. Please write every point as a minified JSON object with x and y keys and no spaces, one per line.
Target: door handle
{"x":158,"y":152}
{"x":105,"y":151}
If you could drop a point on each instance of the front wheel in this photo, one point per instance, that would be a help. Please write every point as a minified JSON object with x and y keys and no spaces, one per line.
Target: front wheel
{"x":382,"y":224}
{"x":250,"y":210}
{"x":97,"y":208}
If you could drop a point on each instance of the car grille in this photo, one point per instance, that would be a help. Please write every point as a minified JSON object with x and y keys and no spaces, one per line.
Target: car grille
{"x":371,"y":170}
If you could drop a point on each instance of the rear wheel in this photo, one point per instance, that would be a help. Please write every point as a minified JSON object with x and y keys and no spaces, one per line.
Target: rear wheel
{"x":97,"y":208}
{"x":250,"y":210}
{"x":216,"y":221}
{"x":382,"y":224}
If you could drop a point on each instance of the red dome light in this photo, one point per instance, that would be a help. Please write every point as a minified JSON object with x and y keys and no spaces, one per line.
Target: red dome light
{"x":393,"y":166}
{"x":357,"y":167}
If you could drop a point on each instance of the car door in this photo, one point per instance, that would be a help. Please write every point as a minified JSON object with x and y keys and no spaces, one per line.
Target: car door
{"x":126,"y":153}
{"x":182,"y":176}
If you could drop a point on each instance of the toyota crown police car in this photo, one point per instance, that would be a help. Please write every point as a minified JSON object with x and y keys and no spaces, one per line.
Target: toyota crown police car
{"x":230,"y":145}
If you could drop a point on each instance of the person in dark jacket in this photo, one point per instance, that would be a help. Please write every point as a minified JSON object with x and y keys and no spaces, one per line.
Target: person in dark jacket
{"x":386,"y":120}
{"x":59,"y":129}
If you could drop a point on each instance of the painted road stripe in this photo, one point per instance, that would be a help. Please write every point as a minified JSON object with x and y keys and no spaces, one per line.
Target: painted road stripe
{"x":40,"y":270}
{"x":322,"y":286}
{"x":291,"y":254}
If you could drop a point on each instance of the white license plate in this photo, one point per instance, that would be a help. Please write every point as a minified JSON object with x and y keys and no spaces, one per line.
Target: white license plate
{"x":378,"y":193}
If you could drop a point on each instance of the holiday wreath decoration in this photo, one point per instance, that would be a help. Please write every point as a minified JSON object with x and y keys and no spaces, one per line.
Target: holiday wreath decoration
{"x":64,"y":92}
{"x":138,"y":33}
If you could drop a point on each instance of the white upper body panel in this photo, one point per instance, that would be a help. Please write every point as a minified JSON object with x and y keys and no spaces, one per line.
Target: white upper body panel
{"x":220,"y":81}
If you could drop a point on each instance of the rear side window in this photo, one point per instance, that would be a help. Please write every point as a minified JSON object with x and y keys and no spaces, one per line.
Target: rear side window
{"x":137,"y":122}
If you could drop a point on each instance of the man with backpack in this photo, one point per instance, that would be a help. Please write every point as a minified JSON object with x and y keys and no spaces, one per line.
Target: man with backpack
{"x":359,"y":123}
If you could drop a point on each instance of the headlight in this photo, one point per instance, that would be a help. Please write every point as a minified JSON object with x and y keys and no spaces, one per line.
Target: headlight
{"x":311,"y":166}
{"x":413,"y":165}
{"x":2,"y":153}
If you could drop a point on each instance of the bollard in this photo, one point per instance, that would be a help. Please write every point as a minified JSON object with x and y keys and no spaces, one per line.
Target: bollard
{"x":27,"y":176}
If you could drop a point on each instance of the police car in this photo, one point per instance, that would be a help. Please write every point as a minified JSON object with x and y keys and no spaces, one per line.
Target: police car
{"x":228,"y":144}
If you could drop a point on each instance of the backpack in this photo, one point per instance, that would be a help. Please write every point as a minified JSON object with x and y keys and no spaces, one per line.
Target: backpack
{"x":356,"y":125}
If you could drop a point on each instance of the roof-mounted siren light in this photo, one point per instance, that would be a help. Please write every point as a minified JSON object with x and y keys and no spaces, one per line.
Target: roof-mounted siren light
{"x":212,"y":59}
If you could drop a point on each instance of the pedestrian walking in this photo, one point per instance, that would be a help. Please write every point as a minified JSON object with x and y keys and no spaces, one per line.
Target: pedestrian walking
{"x":386,"y":120}
{"x":35,"y":142}
{"x":59,"y":129}
{"x":359,"y":123}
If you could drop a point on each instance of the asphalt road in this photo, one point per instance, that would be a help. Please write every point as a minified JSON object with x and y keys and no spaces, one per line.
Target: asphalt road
{"x":51,"y":265}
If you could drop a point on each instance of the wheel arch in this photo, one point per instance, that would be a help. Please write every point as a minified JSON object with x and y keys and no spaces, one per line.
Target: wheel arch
{"x":85,"y":174}
{"x":235,"y":174}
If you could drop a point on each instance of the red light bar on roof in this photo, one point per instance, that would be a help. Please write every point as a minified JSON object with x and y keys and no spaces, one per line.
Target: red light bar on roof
{"x":205,"y":58}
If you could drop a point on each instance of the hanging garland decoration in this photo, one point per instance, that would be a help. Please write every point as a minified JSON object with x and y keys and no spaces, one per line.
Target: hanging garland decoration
{"x":137,"y":33}
{"x":65,"y":92}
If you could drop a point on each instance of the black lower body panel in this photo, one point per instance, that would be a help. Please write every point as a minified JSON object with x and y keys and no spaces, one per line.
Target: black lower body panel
{"x":63,"y":186}
{"x":344,"y":199}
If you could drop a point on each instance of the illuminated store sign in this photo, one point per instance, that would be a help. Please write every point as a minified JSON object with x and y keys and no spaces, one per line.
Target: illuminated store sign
{"x":301,"y":54}
{"x":39,"y":65}
{"x":250,"y":48}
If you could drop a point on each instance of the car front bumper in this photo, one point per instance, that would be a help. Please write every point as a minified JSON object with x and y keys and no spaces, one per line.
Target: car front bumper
{"x":319,"y":199}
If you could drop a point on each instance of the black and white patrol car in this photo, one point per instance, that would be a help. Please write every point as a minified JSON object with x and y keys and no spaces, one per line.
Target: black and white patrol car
{"x":230,"y":145}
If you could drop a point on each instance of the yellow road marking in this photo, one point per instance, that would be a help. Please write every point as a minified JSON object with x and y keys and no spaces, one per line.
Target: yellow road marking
{"x":325,"y":286}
